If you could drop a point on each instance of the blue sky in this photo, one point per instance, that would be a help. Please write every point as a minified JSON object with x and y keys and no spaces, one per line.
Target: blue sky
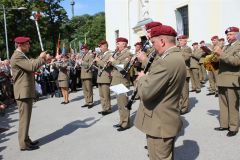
{"x":83,"y":7}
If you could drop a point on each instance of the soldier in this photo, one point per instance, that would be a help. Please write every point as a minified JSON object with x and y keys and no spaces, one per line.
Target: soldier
{"x":202,"y":70}
{"x":24,"y":88}
{"x":158,"y":115}
{"x":123,"y":56}
{"x":228,"y":83}
{"x":86,"y":76}
{"x":212,"y":75}
{"x":186,"y":53}
{"x":63,"y":78}
{"x":104,"y":80}
{"x":221,"y":42}
{"x":194,"y":67}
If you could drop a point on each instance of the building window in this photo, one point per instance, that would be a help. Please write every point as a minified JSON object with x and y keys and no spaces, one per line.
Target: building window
{"x":184,"y":16}
{"x":116,"y":34}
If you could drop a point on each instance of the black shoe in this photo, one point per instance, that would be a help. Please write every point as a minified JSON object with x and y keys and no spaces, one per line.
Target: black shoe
{"x":62,"y":102}
{"x":232,"y":133}
{"x":106,"y":113}
{"x":30,"y":148}
{"x":90,"y":106}
{"x":220,"y":129}
{"x":122,"y":129}
{"x":33,"y":143}
{"x":182,"y":113}
{"x":100,"y":112}
{"x":66,"y":102}
{"x":211,"y":93}
{"x":145,"y":147}
{"x":193,"y":90}
{"x":85,"y":105}
{"x":216,"y":95}
{"x":116,"y":125}
{"x":198,"y":91}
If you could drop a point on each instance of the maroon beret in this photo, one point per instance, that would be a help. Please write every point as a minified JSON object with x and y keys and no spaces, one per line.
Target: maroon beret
{"x":214,"y":37}
{"x":202,"y":42}
{"x":232,"y":29}
{"x":21,"y":39}
{"x":182,"y":37}
{"x":121,"y":39}
{"x":84,"y":46}
{"x":102,"y":42}
{"x":163,"y":30}
{"x":195,"y":43}
{"x":138,"y":43}
{"x":221,"y":39}
{"x":152,"y":24}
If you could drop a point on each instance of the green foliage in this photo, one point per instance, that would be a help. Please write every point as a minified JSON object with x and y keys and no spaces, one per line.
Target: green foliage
{"x":53,"y":23}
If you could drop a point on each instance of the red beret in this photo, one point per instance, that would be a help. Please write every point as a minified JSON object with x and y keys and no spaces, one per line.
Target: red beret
{"x":21,"y":39}
{"x":138,"y":43}
{"x":221,"y":39}
{"x":232,"y":29}
{"x":202,"y":42}
{"x":84,"y":46}
{"x":163,"y":30}
{"x":195,"y":43}
{"x":152,"y":24}
{"x":102,"y":42}
{"x":121,"y":39}
{"x":182,"y":37}
{"x":214,"y":37}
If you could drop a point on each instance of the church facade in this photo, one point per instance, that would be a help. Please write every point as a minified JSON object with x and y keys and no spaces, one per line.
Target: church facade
{"x":199,"y":19}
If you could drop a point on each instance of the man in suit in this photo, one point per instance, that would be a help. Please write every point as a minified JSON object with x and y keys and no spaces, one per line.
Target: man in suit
{"x":228,"y":82}
{"x":186,"y":53}
{"x":24,"y":88}
{"x":123,"y":56}
{"x":86,"y":76}
{"x":158,"y":115}
{"x":104,"y":80}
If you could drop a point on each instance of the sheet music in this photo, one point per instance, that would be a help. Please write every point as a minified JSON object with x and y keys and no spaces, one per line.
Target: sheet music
{"x":119,"y":89}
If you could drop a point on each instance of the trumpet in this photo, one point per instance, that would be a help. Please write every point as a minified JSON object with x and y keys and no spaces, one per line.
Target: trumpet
{"x":106,"y":65}
{"x":211,"y":62}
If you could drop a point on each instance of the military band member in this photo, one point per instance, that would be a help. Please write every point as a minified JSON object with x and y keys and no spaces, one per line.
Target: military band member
{"x":158,"y":115}
{"x":104,"y":80}
{"x":194,"y":67}
{"x":63,"y":78}
{"x":123,"y":56}
{"x":221,"y":42}
{"x":228,"y":83}
{"x":24,"y":88}
{"x":202,"y":70}
{"x":86,"y":76}
{"x":186,"y":53}
{"x":212,"y":75}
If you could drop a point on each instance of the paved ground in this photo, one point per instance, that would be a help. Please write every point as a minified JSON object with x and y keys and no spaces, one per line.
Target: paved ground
{"x":69,"y":132}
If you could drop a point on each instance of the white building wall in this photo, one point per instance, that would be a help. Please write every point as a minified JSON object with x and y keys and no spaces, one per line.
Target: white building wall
{"x":206,"y":17}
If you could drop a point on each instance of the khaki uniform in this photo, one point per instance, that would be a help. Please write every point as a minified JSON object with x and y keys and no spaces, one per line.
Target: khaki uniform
{"x":184,"y":100}
{"x":158,"y":114}
{"x":24,"y":91}
{"x":63,"y":77}
{"x":86,"y":77}
{"x":202,"y":70}
{"x":117,"y":78}
{"x":194,"y":67}
{"x":229,"y":86}
{"x":104,"y":81}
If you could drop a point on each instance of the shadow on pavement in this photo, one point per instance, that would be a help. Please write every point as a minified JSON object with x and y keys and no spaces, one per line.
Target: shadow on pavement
{"x":78,"y":98}
{"x":67,"y":129}
{"x":192,"y":102}
{"x":214,"y":113}
{"x":185,"y":125}
{"x":188,"y":151}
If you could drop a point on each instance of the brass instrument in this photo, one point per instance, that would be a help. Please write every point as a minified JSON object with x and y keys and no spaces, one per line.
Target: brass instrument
{"x":211,"y":62}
